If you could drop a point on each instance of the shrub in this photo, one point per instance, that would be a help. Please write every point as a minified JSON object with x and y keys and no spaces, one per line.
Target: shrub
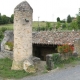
{"x":65,"y":48}
{"x":10,"y":45}
{"x":1,"y":35}
{"x":56,"y":58}
{"x":3,"y":29}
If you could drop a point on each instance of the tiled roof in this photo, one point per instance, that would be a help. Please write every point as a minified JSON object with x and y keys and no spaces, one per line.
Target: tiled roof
{"x":53,"y":38}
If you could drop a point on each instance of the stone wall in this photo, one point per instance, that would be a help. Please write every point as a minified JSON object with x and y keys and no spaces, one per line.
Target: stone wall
{"x":8,"y":37}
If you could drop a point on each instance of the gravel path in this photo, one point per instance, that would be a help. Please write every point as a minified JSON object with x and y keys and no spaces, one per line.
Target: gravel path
{"x":71,"y":73}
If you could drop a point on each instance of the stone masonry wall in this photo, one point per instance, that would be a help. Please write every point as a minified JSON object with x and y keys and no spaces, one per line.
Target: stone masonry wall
{"x":8,"y":36}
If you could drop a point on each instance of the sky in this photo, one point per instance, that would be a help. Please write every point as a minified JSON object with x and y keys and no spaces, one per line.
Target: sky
{"x":46,"y":10}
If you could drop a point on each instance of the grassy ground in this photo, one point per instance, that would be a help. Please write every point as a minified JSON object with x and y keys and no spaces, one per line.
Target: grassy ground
{"x":73,"y":61}
{"x":8,"y":26}
{"x":6,"y":72}
{"x":34,"y":24}
{"x":41,"y":24}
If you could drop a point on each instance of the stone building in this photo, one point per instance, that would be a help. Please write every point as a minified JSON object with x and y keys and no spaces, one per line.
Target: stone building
{"x":46,"y":42}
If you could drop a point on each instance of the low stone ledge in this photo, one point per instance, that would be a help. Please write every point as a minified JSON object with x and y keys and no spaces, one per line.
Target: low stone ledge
{"x":7,"y":54}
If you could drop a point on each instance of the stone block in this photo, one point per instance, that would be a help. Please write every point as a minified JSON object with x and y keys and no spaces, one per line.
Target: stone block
{"x":49,"y":61}
{"x":36,"y":62}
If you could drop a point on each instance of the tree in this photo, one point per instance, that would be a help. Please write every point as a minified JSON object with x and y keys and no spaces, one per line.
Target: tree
{"x":58,"y":19}
{"x":74,"y":25}
{"x":69,"y":19}
{"x":12,"y":18}
{"x":78,"y":21}
{"x":5,"y":19}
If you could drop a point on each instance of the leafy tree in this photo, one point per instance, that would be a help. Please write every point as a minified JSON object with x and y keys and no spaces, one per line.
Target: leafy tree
{"x":58,"y":19}
{"x":5,"y":19}
{"x":69,"y":19}
{"x":78,"y":21}
{"x":74,"y":25}
{"x":12,"y":18}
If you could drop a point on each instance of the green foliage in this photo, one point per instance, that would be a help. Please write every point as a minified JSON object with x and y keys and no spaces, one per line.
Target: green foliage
{"x":56,"y":58}
{"x":3,"y":29}
{"x":70,"y":61}
{"x":7,"y":26}
{"x":6,"y":72}
{"x":58,"y":25}
{"x":48,"y":25}
{"x":69,"y":19}
{"x":12,"y":18}
{"x":64,"y":26}
{"x":42,"y":28}
{"x":1,"y":35}
{"x":62,"y":21}
{"x":10,"y":44}
{"x":58,"y":19}
{"x":74,"y":25}
{"x":65,"y":48}
{"x":78,"y":21}
{"x":5,"y":19}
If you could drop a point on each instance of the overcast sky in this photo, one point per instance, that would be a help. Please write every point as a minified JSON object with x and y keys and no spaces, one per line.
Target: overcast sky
{"x":47,"y":10}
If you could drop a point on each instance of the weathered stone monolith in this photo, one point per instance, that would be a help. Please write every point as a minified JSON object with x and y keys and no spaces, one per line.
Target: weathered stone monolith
{"x":22,"y":36}
{"x":77,"y":46}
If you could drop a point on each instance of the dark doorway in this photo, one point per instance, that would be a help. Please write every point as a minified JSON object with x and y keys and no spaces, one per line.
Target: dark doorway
{"x":42,"y":50}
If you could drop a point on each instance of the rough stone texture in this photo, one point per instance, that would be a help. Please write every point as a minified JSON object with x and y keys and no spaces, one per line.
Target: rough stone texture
{"x":36,"y":62}
{"x":28,"y":66}
{"x":49,"y":61}
{"x":77,"y":46}
{"x":8,"y":36}
{"x":22,"y":35}
{"x":6,"y":54}
{"x":49,"y":37}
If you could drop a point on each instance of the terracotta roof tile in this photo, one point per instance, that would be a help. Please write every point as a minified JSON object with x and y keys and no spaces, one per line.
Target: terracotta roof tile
{"x":51,"y":37}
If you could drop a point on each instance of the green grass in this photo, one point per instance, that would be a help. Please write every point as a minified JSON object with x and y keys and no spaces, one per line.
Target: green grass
{"x":71,"y":61}
{"x":6,"y":72}
{"x":41,"y":23}
{"x":34,"y":24}
{"x":8,"y":26}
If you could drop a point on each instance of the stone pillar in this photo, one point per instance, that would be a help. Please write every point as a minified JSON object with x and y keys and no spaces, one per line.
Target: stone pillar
{"x":22,"y":35}
{"x":77,"y":46}
{"x":49,"y":61}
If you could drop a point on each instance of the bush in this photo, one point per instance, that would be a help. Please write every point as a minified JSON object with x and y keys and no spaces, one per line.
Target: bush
{"x":56,"y":58}
{"x":1,"y":35}
{"x":65,"y":48}
{"x":10,"y":45}
{"x":3,"y":29}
